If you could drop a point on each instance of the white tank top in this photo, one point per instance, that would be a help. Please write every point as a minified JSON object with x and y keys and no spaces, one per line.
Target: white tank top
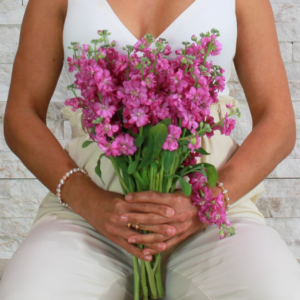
{"x":85,"y":17}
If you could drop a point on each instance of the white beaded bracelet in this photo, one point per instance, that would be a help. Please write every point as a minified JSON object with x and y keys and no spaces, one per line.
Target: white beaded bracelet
{"x":220,"y":184}
{"x":64,"y":179}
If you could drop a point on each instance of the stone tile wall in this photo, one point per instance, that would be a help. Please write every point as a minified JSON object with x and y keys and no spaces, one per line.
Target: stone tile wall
{"x":21,"y":193}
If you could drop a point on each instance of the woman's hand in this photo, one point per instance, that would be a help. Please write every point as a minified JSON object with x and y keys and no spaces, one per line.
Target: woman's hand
{"x":185,"y":220}
{"x":103,"y":210}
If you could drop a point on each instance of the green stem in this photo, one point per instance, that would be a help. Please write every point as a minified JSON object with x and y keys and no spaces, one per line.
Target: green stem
{"x":144,"y":280}
{"x":160,"y":289}
{"x":151,"y":179}
{"x":151,"y":280}
{"x":161,"y":176}
{"x":208,"y":49}
{"x":136,"y":278}
{"x":118,"y":173}
{"x":157,"y":182}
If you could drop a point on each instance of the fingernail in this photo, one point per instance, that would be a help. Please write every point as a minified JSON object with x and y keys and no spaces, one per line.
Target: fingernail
{"x":131,"y":240}
{"x":147,"y":252}
{"x":161,"y":246}
{"x":128,"y":197}
{"x":148,"y":257}
{"x":170,"y":231}
{"x":170,"y":212}
{"x":124,"y":218}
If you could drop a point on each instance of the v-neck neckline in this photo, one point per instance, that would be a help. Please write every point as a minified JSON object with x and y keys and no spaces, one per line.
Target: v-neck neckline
{"x":181,"y":15}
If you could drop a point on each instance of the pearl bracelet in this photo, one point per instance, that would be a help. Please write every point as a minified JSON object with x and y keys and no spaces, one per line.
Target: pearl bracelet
{"x":64,"y":179}
{"x":220,"y":184}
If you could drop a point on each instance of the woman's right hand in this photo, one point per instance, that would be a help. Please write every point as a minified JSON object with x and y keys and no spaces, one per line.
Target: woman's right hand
{"x":103,"y":210}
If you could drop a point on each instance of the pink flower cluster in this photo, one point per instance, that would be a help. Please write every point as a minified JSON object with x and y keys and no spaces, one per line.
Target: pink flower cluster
{"x":122,"y":93}
{"x":211,"y":209}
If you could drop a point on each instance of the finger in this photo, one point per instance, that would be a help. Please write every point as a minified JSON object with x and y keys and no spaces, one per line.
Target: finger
{"x":149,"y":219}
{"x":134,"y":250}
{"x":150,"y":197}
{"x":164,"y":229}
{"x":150,"y":238}
{"x":158,"y":209}
{"x":158,"y":247}
{"x":169,"y":243}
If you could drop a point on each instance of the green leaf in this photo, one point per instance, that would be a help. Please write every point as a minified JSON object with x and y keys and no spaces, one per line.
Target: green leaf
{"x":98,"y":170}
{"x":202,"y":151}
{"x":145,"y":177}
{"x":212,"y":174}
{"x":186,"y":187}
{"x":168,"y":160}
{"x":183,"y":142}
{"x":121,"y":162}
{"x":129,"y":182}
{"x":169,"y":176}
{"x":139,"y":141}
{"x":153,"y":165}
{"x":142,"y":186}
{"x":194,"y":167}
{"x":132,"y":166}
{"x":98,"y":120}
{"x":87,"y":143}
{"x":166,"y":122}
{"x":146,"y":134}
{"x":184,"y":149}
{"x":147,"y":157}
{"x":159,"y":133}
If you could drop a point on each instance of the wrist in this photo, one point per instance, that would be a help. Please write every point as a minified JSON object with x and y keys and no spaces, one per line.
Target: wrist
{"x":75,"y":189}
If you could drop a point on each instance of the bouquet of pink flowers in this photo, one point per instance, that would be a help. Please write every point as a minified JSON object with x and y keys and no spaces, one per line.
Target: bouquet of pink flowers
{"x":147,"y":113}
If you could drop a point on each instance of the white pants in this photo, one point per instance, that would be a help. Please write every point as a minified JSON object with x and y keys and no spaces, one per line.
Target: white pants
{"x":64,"y":258}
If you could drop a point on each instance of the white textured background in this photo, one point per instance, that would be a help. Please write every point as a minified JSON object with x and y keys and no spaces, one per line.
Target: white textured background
{"x":21,"y":193}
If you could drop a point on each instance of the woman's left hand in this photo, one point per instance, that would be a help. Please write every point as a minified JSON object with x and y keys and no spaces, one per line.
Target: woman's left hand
{"x":185,"y":220}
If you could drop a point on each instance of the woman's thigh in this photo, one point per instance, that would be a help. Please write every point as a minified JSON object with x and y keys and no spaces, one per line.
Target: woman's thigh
{"x":253,"y":264}
{"x":63,"y":259}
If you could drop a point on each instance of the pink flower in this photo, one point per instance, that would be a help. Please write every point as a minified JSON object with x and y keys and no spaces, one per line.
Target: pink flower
{"x":229,"y":105}
{"x":74,"y":102}
{"x":188,"y":120}
{"x":217,"y":48}
{"x":121,"y":63}
{"x":197,"y":180}
{"x":171,"y":143}
{"x":167,"y":50}
{"x":140,"y":44}
{"x":177,"y":81}
{"x":104,"y":110}
{"x":149,"y":81}
{"x":109,"y":148}
{"x":106,"y":128}
{"x":228,"y":125}
{"x":139,"y":116}
{"x":72,"y":62}
{"x":126,"y":144}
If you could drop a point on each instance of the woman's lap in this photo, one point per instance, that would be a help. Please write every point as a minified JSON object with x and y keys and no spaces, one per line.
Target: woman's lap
{"x":255,"y":263}
{"x":63,"y":259}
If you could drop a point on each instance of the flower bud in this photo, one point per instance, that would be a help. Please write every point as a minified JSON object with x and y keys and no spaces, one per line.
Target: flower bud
{"x":222,"y":234}
{"x":194,"y":38}
{"x":193,"y":141}
{"x":184,"y":61}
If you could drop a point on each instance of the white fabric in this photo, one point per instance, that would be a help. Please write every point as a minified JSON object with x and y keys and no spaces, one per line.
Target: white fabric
{"x":64,"y":258}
